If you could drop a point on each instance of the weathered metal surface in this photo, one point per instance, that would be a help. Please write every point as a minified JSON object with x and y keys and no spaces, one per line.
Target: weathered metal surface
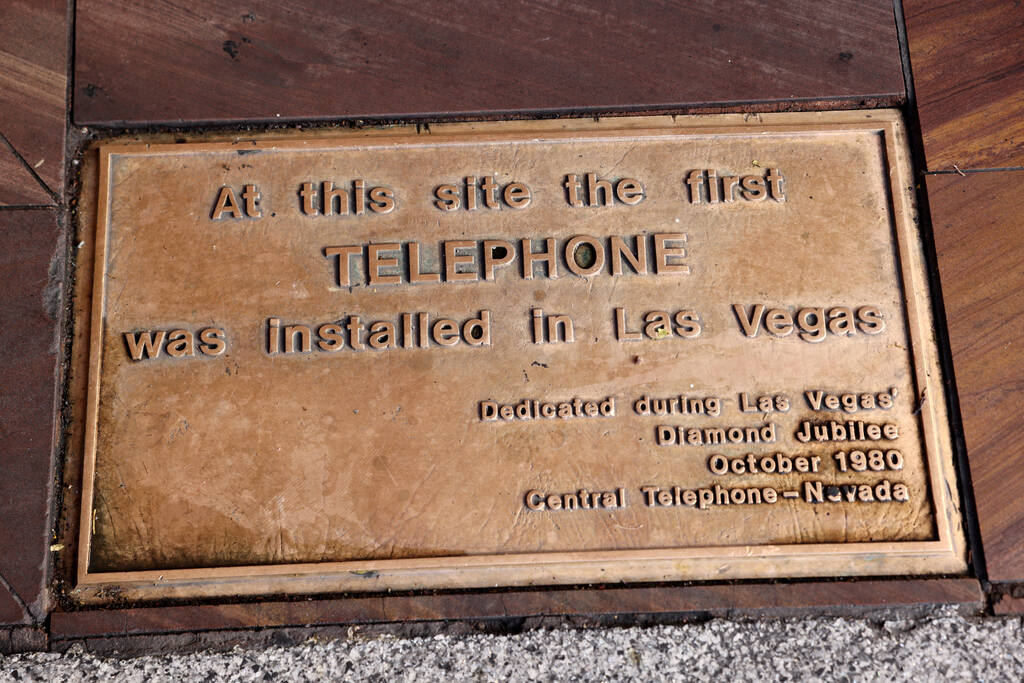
{"x":505,"y":354}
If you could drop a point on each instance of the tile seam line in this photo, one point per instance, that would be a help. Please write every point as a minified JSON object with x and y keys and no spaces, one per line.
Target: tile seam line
{"x":965,"y":171}
{"x":62,"y":634}
{"x":28,"y":167}
{"x":528,"y":113}
{"x":27,"y":207}
{"x":903,"y":44}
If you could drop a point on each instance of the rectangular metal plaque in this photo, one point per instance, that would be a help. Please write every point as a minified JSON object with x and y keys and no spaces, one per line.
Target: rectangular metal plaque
{"x":643,"y":349}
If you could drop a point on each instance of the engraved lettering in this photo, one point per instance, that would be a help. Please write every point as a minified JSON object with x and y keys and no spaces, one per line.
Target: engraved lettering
{"x":496,"y":254}
{"x":884,"y":491}
{"x":534,"y":409}
{"x":601,"y":192}
{"x":706,"y":498}
{"x":252,"y":196}
{"x":337,"y":200}
{"x":211,"y":341}
{"x":852,"y":430}
{"x":637,"y":257}
{"x":417,"y":330}
{"x":144,"y":344}
{"x":777,"y":463}
{"x":812,"y":323}
{"x":849,"y":402}
{"x":658,"y":325}
{"x":706,"y":186}
{"x":678,"y":405}
{"x":180,"y":343}
{"x":663,"y":253}
{"x":472,"y":260}
{"x":343,"y":261}
{"x":763,"y":404}
{"x":376,"y":263}
{"x":669,"y":435}
{"x":581,"y":499}
{"x":226,"y":203}
{"x":547,"y":257}
{"x":514,"y":195}
{"x":584,"y":255}
{"x":551,"y":328}
{"x":456,"y":253}
{"x":175,"y":343}
{"x":416,"y":274}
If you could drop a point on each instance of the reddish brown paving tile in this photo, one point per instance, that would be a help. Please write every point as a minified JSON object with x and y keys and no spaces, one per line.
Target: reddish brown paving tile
{"x":980,"y":248}
{"x":11,"y":612}
{"x":17,"y":186}
{"x":969,"y":79}
{"x":33,"y":84}
{"x":1007,"y":605}
{"x":183,"y":62}
{"x":28,"y":241}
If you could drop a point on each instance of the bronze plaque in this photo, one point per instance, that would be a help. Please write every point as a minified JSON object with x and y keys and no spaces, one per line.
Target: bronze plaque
{"x":643,"y":349}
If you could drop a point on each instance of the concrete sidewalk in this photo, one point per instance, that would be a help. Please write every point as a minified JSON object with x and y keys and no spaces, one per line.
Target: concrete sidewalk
{"x":940,"y":646}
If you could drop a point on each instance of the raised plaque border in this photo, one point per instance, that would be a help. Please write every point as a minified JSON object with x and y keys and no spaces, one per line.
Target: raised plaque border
{"x":945,"y":555}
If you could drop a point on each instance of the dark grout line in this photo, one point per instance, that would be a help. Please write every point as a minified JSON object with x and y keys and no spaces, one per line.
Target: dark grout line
{"x":965,"y":171}
{"x":28,"y":167}
{"x":56,"y":571}
{"x":752,"y":107}
{"x":915,"y":137}
{"x":26,"y":207}
{"x":4,"y":583}
{"x":904,"y":46}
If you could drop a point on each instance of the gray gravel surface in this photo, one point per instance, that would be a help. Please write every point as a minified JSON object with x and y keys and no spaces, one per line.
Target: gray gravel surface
{"x":942,"y":646}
